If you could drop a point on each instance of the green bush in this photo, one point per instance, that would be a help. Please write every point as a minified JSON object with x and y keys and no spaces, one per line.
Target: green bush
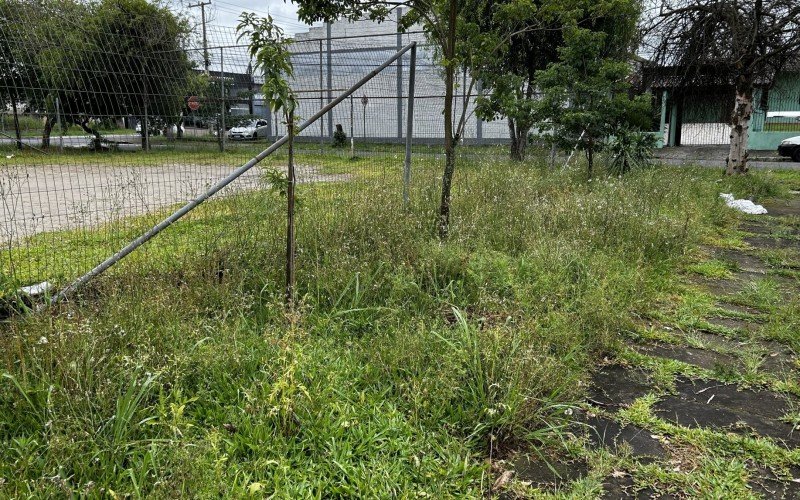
{"x":628,"y":150}
{"x":339,"y":137}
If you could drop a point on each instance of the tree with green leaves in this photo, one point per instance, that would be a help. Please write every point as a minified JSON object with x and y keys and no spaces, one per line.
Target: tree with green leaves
{"x":115,"y":58}
{"x":531,"y":42}
{"x":269,"y":48}
{"x":18,"y":78}
{"x":532,"y":34}
{"x":741,"y":43}
{"x":585,"y":96}
{"x":460,"y":44}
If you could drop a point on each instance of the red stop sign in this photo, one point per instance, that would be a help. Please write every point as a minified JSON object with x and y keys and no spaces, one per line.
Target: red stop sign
{"x":193,"y":103}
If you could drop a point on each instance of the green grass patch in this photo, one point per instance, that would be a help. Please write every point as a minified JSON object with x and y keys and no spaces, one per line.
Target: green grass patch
{"x":407,"y":362}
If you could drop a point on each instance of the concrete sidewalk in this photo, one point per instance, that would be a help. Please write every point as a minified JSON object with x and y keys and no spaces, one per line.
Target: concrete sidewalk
{"x":714,"y":156}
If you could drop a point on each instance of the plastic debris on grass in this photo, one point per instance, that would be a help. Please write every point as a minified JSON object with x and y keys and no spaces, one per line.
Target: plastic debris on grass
{"x":745,"y":206}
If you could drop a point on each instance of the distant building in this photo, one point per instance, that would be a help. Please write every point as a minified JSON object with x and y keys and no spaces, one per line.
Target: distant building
{"x":701,"y":114}
{"x":330,"y":59}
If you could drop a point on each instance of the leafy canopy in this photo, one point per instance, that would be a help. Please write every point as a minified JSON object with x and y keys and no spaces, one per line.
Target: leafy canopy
{"x":586,"y":93}
{"x":270,"y":50}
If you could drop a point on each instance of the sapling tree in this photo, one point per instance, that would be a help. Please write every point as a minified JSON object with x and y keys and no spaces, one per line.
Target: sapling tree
{"x":742,"y":43}
{"x":269,"y":48}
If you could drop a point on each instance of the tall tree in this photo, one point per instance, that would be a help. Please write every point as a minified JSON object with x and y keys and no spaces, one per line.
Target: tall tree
{"x":508,"y":80}
{"x":457,"y":39}
{"x":743,"y":43}
{"x":585,"y":95}
{"x":534,"y":32}
{"x":17,"y":76}
{"x":114,"y":58}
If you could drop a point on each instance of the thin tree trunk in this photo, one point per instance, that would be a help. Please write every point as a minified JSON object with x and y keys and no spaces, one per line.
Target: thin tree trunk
{"x":49,"y":122}
{"x":519,"y":140}
{"x":449,"y":145}
{"x":512,"y":134}
{"x":179,"y":127}
{"x":145,"y":130}
{"x":98,"y":139}
{"x":518,"y":132}
{"x":590,"y":157}
{"x":290,"y":234}
{"x":17,"y":131}
{"x":740,"y":131}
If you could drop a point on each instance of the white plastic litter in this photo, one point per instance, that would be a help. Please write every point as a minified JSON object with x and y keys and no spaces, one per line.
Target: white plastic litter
{"x":37,"y":289}
{"x":745,"y":206}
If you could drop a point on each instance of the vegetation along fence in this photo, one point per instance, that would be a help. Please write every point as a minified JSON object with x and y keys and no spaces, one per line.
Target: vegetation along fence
{"x":114,"y":120}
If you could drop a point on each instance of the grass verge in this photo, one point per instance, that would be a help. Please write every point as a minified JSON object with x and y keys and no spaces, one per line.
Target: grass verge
{"x":407,"y":363}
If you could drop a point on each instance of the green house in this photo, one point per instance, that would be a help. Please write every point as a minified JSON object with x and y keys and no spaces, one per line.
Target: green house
{"x":700,"y":115}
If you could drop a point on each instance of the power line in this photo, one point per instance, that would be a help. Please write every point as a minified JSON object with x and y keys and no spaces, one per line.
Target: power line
{"x":278,"y":17}
{"x":202,"y":6}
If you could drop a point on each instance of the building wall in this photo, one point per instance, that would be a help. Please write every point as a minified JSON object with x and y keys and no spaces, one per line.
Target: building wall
{"x":356,"y":48}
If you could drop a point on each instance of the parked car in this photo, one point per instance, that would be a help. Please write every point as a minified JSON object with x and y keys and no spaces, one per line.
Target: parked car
{"x":159,"y":128}
{"x":249,"y":130}
{"x":790,"y":147}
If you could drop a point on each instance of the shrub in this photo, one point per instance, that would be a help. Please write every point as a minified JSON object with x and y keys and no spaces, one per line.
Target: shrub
{"x":630,"y":149}
{"x":339,"y":137}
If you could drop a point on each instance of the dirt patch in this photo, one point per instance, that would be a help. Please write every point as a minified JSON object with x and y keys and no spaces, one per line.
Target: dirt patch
{"x":769,"y":485}
{"x":622,"y":486}
{"x":610,"y":434}
{"x":783,"y":208}
{"x":736,"y":308}
{"x":709,"y":360}
{"x":775,"y":243}
{"x":722,"y":406}
{"x":733,"y":323}
{"x":770,"y":228}
{"x":754,"y":227}
{"x":614,"y":386}
{"x":717,"y":342}
{"x":743,"y":261}
{"x":549,"y":476}
{"x":718,"y":287}
{"x":777,"y":359}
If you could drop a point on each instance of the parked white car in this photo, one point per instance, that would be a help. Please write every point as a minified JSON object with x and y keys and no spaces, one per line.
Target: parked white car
{"x":251,"y":130}
{"x":170,"y":131}
{"x":790,"y":147}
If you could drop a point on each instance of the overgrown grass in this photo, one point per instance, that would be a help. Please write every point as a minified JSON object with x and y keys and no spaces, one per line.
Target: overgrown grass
{"x":406,"y":364}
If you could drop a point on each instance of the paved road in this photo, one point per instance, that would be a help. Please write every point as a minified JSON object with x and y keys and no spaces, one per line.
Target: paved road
{"x":755,"y":164}
{"x":82,"y":141}
{"x":71,"y":141}
{"x":46,"y":198}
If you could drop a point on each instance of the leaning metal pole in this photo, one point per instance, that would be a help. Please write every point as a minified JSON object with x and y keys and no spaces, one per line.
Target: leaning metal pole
{"x":221,"y":184}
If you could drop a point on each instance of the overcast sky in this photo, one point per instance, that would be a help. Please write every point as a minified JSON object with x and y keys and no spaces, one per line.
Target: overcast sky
{"x":226,"y":12}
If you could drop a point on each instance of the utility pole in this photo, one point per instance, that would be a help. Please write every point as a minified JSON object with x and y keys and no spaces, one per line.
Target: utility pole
{"x":202,"y":6}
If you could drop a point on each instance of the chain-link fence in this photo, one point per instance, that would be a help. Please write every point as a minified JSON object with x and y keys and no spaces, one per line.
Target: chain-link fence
{"x":112,"y":119}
